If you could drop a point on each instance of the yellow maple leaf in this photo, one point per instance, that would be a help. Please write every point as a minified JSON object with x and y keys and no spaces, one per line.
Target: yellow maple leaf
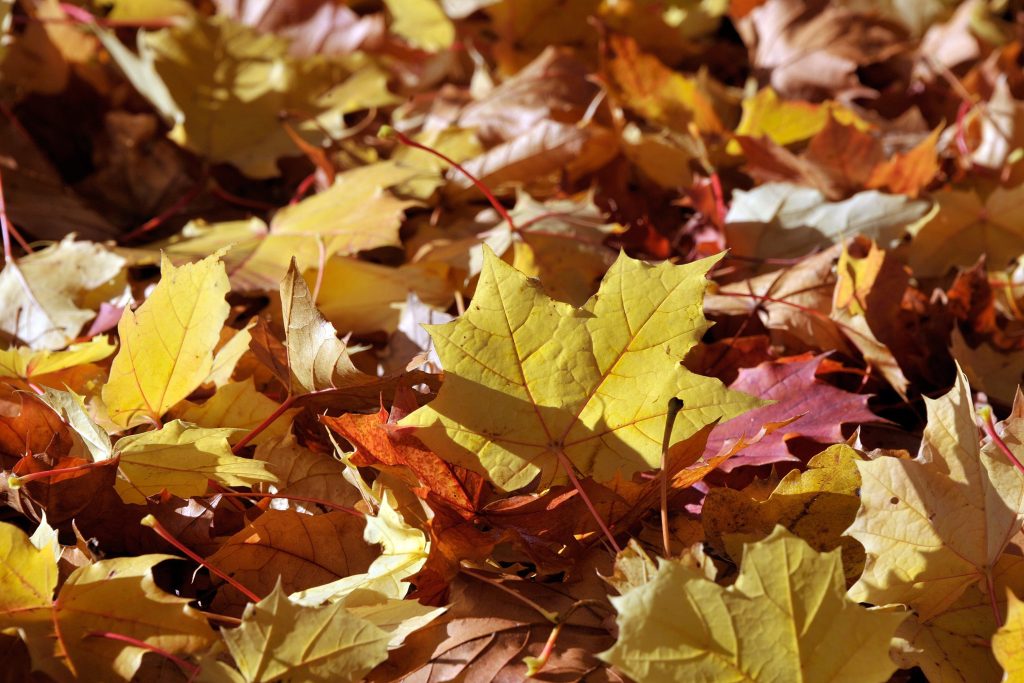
{"x":181,"y":458}
{"x":787,"y":121}
{"x":659,"y":94}
{"x":817,"y":505}
{"x":65,"y":636}
{"x":167,"y":343}
{"x":280,"y":639}
{"x":787,"y":618}
{"x":1008,"y":642}
{"x":530,"y":382}
{"x":422,"y":23}
{"x":954,"y":645}
{"x":936,"y":525}
{"x":223,"y":86}
{"x":26,"y":363}
{"x":354,"y":214}
{"x":28,"y":575}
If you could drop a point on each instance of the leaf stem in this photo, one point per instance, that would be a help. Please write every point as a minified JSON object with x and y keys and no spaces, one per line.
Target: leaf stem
{"x":563,"y":459}
{"x":167,"y":213}
{"x":675,"y":404}
{"x":16,"y":482}
{"x":7,"y":229}
{"x":409,"y":142}
{"x":990,"y":429}
{"x":535,"y":664}
{"x":547,"y":614}
{"x":267,"y":421}
{"x":152,"y":523}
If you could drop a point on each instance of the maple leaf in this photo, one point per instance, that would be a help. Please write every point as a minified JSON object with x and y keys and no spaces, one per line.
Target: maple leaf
{"x":817,"y":51}
{"x":355,"y":214}
{"x":787,"y":609}
{"x":1007,"y":641}
{"x":28,"y":364}
{"x":33,"y":429}
{"x":954,"y":645}
{"x":485,"y":632}
{"x":403,"y":552}
{"x":794,"y":302}
{"x":659,"y":94}
{"x":817,"y":505}
{"x":67,"y":634}
{"x":935,"y":525}
{"x":238,"y":406}
{"x":281,"y":639}
{"x":303,"y":473}
{"x":784,"y":220}
{"x":787,"y":121}
{"x":422,"y":23}
{"x":964,"y":224}
{"x":532,"y":384}
{"x":182,"y":459}
{"x":42,"y":295}
{"x":375,"y":444}
{"x":302,"y":550}
{"x":317,"y":359}
{"x":791,"y":383}
{"x":167,"y":344}
{"x":222,"y":86}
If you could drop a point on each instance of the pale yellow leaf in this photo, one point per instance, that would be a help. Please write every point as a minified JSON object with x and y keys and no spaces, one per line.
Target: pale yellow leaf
{"x":167,"y":343}
{"x":279,"y":639}
{"x":787,"y":618}
{"x":936,"y":525}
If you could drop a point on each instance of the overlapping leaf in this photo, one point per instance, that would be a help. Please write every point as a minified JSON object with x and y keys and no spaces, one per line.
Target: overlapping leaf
{"x":787,"y":609}
{"x":533,"y":386}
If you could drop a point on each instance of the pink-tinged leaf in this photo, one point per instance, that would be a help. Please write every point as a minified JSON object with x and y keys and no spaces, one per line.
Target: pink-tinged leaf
{"x":821,"y":410}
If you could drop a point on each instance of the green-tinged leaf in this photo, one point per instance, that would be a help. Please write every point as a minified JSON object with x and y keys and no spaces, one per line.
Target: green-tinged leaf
{"x":787,"y":618}
{"x":783,"y":220}
{"x":182,"y":458}
{"x":71,"y":409}
{"x":279,"y":639}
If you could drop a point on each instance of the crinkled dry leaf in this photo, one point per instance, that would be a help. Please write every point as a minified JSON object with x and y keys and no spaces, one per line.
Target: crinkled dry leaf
{"x":936,"y":525}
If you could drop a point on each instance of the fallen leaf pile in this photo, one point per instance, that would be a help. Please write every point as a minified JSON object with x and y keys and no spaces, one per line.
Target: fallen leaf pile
{"x":493,"y":340}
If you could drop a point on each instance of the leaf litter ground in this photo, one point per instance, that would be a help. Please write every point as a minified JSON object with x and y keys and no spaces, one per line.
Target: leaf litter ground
{"x":495,"y":339}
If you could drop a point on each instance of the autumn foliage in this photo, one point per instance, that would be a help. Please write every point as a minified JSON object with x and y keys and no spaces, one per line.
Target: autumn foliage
{"x":473,"y":340}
